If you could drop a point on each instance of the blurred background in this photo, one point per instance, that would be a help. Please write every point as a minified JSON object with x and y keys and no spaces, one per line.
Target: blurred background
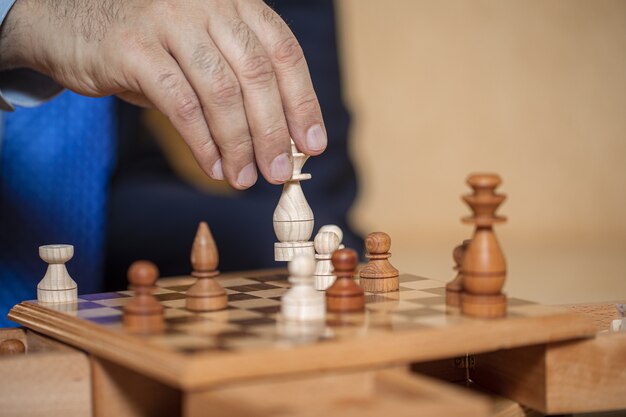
{"x":420,"y":93}
{"x":532,"y":90}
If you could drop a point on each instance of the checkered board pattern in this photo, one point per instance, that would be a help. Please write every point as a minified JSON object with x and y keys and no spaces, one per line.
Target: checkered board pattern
{"x":252,"y":319}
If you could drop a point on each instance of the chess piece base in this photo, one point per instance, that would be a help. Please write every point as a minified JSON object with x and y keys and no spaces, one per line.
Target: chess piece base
{"x":286,"y":251}
{"x":483,"y":306}
{"x":206,"y":295}
{"x":144,"y":323}
{"x":453,"y":298}
{"x":380,"y":284}
{"x":57,"y":296}
{"x":346,"y":303}
{"x":309,"y":309}
{"x":214,"y":303}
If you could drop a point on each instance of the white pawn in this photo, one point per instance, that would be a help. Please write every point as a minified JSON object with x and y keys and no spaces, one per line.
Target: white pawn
{"x":302,"y":302}
{"x":336,"y":230}
{"x":56,"y":286}
{"x":325,"y":244}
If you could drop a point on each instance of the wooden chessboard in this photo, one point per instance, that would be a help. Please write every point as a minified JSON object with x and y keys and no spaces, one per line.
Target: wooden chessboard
{"x":251,"y":340}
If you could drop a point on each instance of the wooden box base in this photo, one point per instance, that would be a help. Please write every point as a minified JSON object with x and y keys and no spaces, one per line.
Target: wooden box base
{"x":49,"y":379}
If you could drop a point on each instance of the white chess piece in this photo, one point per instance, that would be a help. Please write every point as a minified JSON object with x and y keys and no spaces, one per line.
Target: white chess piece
{"x":335,"y":229}
{"x":293,"y":217}
{"x":301,"y":302}
{"x":56,"y":286}
{"x":326,"y":242}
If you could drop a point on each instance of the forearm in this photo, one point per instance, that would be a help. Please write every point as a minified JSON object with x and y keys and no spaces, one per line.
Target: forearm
{"x":10,"y":45}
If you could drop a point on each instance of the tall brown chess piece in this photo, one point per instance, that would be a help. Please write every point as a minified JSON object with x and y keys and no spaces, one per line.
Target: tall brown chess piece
{"x":345,"y":295}
{"x":379,"y":275}
{"x":144,"y":313}
{"x":206,"y":294}
{"x":455,"y":287}
{"x":484,"y":267}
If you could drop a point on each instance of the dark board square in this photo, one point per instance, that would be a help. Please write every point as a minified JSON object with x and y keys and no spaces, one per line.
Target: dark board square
{"x":273,"y":277}
{"x":429,"y":301}
{"x":233,"y":334}
{"x":267,"y":309}
{"x":185,"y":319}
{"x":241,"y":296}
{"x":87,"y":305}
{"x":103,"y":296}
{"x":255,"y":321}
{"x":436,"y":291}
{"x":411,"y":278}
{"x":106,"y":319}
{"x":180,"y":288}
{"x":253,"y":287}
{"x":419,"y":312}
{"x":168,"y":296}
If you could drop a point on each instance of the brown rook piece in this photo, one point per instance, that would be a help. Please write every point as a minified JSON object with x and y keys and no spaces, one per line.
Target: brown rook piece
{"x":206,"y":294}
{"x":379,"y":275}
{"x":484,"y":267}
{"x":144,"y":313}
{"x":345,"y":295}
{"x":12,"y":347}
{"x":455,"y":287}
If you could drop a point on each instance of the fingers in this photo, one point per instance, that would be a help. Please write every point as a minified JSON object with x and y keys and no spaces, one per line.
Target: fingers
{"x":219,"y":93}
{"x":299,"y":100}
{"x":163,"y":83}
{"x":253,"y":68}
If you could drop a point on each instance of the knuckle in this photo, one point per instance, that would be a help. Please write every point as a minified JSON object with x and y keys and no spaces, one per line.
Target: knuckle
{"x":257,"y":69}
{"x":244,"y":35}
{"x":206,"y":151}
{"x":306,"y":105}
{"x":269,"y":16}
{"x":238,"y":148}
{"x":168,"y":81}
{"x":187,"y":108}
{"x":274,"y":134}
{"x":288,"y":52}
{"x":225,"y":91}
{"x":207,"y":58}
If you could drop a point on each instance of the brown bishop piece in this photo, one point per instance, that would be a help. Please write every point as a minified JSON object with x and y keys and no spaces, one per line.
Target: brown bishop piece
{"x":206,"y":294}
{"x":484,"y":267}
{"x":379,"y":275}
{"x":144,"y":313}
{"x":455,"y":287}
{"x":345,"y":295}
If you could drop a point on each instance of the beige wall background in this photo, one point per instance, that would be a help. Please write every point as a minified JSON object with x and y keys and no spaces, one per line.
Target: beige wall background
{"x":533,"y":90}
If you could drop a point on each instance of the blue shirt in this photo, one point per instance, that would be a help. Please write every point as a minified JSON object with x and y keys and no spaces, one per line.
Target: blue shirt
{"x":56,"y":159}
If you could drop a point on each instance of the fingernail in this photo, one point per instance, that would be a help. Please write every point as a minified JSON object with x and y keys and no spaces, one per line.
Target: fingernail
{"x":280,"y":169}
{"x":218,"y":173}
{"x":316,"y":138}
{"x":247,"y":176}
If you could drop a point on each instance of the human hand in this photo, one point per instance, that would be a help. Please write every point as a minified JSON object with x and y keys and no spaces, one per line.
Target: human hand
{"x":229,"y":74}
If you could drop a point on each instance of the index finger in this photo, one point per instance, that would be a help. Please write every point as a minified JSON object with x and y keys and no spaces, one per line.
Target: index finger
{"x":300,"y":103}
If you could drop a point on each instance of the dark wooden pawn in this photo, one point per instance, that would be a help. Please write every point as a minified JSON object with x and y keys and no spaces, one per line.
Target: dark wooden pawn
{"x":379,"y":275}
{"x":454,"y":288}
{"x":144,"y":313}
{"x":345,"y":295}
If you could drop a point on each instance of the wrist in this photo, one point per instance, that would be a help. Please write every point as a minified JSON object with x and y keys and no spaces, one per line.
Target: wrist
{"x":12,"y":42}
